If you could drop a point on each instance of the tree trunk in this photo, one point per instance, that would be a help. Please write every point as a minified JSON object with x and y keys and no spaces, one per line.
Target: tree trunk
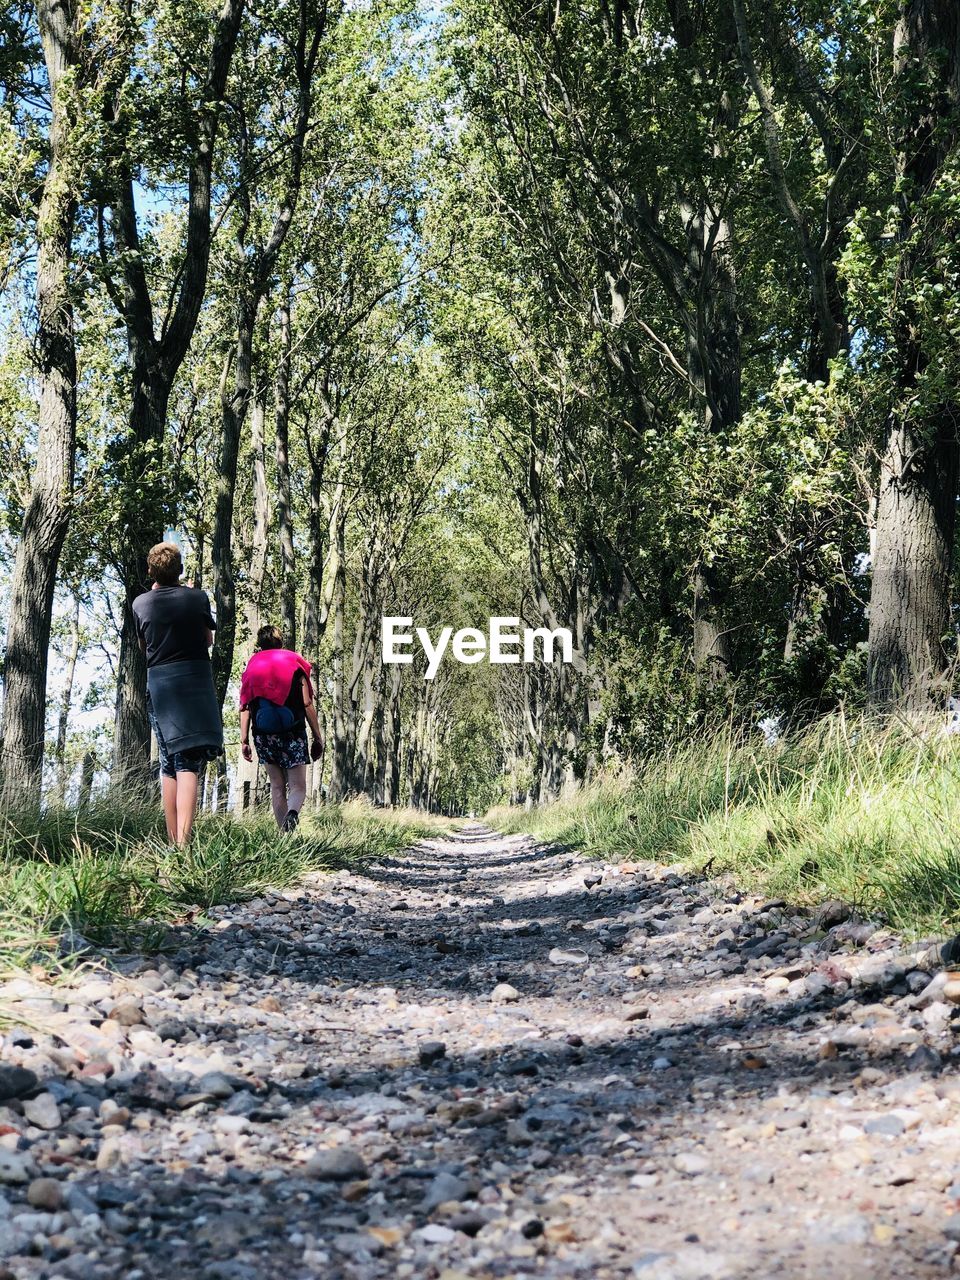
{"x":916,"y":500}
{"x":233,"y":411}
{"x":339,"y":774}
{"x":910,"y":592}
{"x":143,"y":528}
{"x":154,"y":362}
{"x":47,"y":513}
{"x":247,"y":770}
{"x":86,"y":780}
{"x":288,"y":582}
{"x":711,"y":646}
{"x":66,"y":700}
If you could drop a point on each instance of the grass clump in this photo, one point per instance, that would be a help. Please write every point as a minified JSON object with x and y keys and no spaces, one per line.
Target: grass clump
{"x":107,"y":875}
{"x":844,"y":809}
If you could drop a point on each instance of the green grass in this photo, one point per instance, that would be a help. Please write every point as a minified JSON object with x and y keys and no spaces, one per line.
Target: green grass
{"x":108,"y":875}
{"x":845,"y":809}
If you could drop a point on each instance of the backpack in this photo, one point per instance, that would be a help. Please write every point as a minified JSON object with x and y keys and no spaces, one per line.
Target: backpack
{"x":272,"y":717}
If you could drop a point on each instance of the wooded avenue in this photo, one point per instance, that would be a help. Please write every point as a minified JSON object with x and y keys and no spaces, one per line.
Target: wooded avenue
{"x":469,"y":645}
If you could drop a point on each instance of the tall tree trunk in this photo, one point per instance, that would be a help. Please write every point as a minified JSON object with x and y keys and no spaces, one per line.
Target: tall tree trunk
{"x":87,"y":768}
{"x":340,"y":771}
{"x":916,"y":501}
{"x":711,"y":645}
{"x":66,"y":701}
{"x":910,"y":592}
{"x":47,"y":513}
{"x":144,"y":527}
{"x":288,"y":581}
{"x":233,"y":410}
{"x":256,"y":574}
{"x":154,"y":363}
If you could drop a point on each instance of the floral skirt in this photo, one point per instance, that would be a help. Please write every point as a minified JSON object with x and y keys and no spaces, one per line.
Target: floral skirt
{"x":285,"y":750}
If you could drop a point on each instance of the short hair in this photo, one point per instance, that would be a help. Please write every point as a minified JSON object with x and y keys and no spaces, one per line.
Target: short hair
{"x":269,"y":637}
{"x":164,"y":564}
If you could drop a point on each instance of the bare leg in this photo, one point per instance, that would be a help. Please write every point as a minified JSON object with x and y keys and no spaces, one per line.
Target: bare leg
{"x":278,"y":792}
{"x":168,"y":793}
{"x":296,"y":787}
{"x":187,"y":786}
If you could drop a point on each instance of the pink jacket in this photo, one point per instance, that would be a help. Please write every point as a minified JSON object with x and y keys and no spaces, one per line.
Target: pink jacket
{"x":269,"y":674}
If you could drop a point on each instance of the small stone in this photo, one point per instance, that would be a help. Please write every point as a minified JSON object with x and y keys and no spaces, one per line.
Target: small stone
{"x":43,"y":1111}
{"x":636,"y":1013}
{"x":171,"y":1029}
{"x":431,"y":1051}
{"x":128,"y":1011}
{"x":433,"y":1233}
{"x":568,"y":955}
{"x":923,"y":1058}
{"x":45,"y":1193}
{"x":504,"y":993}
{"x":445,"y":1187}
{"x":108,"y":1155}
{"x":15,"y":1081}
{"x":831,"y":913}
{"x":691,"y":1163}
{"x":217,"y":1084}
{"x":889,"y":1125}
{"x":470,"y":1222}
{"x":336,"y":1164}
{"x":661,"y":1064}
{"x":270,"y":1004}
{"x":15,"y":1166}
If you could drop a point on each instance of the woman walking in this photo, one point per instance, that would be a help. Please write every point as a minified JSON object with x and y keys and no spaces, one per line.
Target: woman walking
{"x":276,"y":702}
{"x":175,"y":629}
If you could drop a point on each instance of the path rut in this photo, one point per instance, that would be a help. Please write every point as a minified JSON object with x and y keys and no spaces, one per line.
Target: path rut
{"x":488,"y":1058}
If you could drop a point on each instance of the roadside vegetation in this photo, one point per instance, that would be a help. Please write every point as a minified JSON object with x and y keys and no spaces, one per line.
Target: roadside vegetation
{"x":107,"y":875}
{"x":843,"y":809}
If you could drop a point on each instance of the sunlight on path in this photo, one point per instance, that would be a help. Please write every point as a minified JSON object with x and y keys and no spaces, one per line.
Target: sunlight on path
{"x":485,"y":1059}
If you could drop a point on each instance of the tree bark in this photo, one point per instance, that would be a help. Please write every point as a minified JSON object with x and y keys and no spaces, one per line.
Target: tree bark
{"x":154,"y":363}
{"x":47,"y":513}
{"x":256,"y":574}
{"x":233,"y":409}
{"x":916,"y":500}
{"x":910,"y":592}
{"x":288,"y":582}
{"x":66,"y":701}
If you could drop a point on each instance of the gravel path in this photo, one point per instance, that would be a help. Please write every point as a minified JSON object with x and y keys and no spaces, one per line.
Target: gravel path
{"x":487,"y":1059}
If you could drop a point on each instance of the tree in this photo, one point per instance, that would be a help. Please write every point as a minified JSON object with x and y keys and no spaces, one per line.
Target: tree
{"x":145,"y":67}
{"x":917,"y":491}
{"x":47,"y":513}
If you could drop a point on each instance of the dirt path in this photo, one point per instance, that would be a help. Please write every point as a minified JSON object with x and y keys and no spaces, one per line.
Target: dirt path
{"x":477,"y":1061}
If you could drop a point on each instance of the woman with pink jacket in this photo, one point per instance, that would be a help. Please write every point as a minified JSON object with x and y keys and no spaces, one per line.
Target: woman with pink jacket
{"x":276,"y":701}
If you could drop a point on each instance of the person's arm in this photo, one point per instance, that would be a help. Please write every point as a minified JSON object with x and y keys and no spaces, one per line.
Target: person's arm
{"x":310,"y":711}
{"x":210,"y":622}
{"x":245,"y":747}
{"x":141,"y":641}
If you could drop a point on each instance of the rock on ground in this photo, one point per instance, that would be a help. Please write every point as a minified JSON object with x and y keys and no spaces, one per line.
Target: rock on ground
{"x":487,"y":1059}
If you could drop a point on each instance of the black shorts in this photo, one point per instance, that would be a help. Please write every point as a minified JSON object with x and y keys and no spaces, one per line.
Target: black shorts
{"x":173,"y":762}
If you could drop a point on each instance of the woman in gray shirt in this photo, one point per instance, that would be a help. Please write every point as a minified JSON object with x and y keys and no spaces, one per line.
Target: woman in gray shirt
{"x":175,"y":627}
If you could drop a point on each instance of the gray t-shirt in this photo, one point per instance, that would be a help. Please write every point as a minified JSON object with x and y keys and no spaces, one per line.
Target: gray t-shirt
{"x":173,"y":624}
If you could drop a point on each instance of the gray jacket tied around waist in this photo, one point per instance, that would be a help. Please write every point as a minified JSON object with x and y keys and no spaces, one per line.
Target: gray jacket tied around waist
{"x":184,"y":702}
